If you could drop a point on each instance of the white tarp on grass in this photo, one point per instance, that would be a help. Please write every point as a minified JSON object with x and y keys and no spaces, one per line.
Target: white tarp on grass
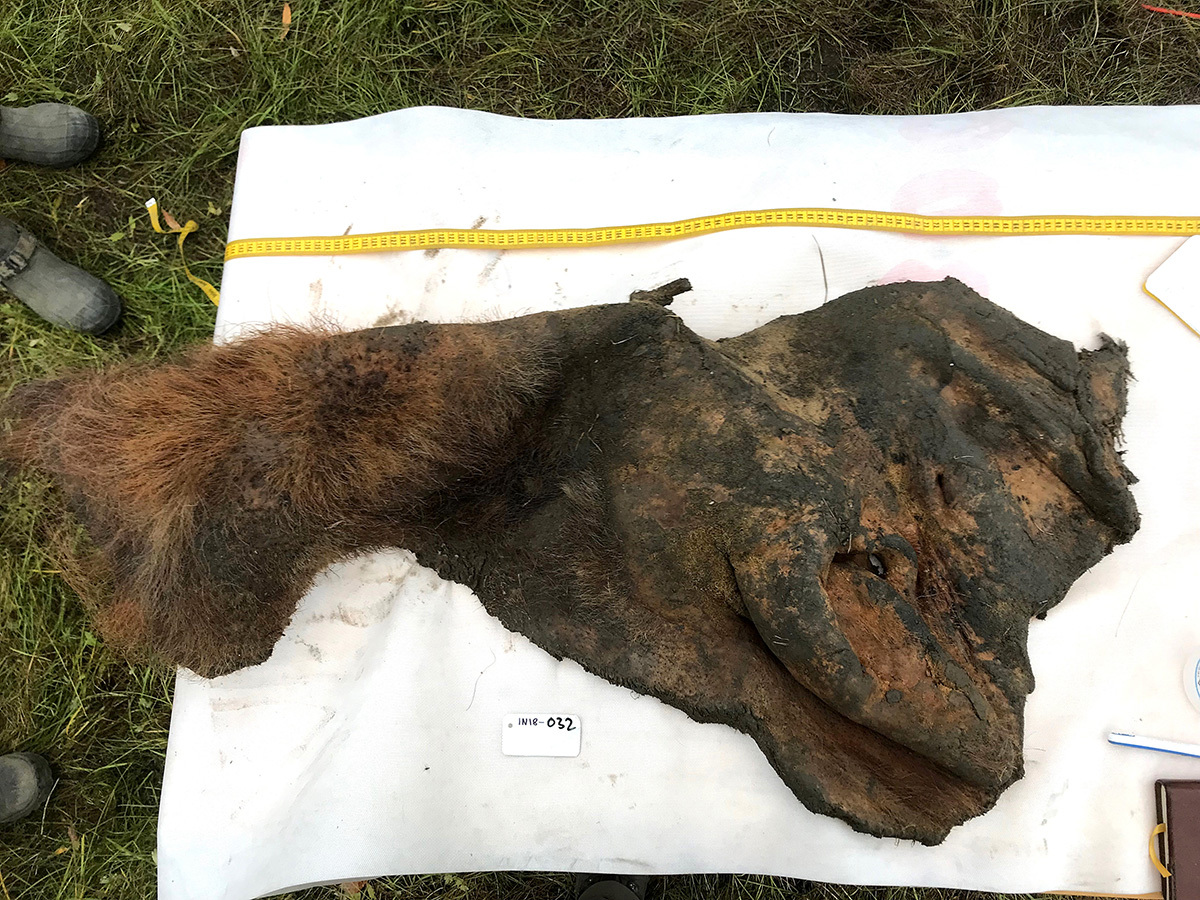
{"x":369,"y":743}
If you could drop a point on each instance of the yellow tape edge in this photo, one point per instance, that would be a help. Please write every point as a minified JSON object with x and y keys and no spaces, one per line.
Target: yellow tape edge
{"x":812,"y":217}
{"x":209,"y":291}
{"x":152,"y":208}
{"x":1160,"y":302}
{"x":1160,"y":828}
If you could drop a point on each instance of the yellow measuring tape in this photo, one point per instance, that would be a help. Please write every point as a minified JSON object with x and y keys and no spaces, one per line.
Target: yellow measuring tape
{"x":1160,"y":828}
{"x":812,"y":217}
{"x":183,"y":231}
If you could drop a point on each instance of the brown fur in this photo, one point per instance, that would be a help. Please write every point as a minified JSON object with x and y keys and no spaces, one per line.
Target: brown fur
{"x":319,"y":424}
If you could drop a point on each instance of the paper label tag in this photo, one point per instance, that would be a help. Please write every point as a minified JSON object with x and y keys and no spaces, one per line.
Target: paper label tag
{"x":540,"y":734}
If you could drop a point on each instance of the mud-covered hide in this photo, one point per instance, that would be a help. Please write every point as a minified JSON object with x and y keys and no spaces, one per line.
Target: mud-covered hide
{"x":829,"y":533}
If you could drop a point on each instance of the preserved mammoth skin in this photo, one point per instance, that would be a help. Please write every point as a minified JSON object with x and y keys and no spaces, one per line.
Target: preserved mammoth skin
{"x":829,"y":533}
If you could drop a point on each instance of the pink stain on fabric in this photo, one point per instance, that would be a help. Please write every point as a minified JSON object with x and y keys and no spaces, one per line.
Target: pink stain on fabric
{"x":956,"y":132}
{"x":949,"y":192}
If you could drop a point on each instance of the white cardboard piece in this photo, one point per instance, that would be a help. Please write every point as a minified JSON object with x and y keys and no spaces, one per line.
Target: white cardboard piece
{"x":1176,"y":283}
{"x":367,"y":744}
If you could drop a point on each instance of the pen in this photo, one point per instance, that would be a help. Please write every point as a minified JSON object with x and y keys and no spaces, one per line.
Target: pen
{"x":1148,"y":743}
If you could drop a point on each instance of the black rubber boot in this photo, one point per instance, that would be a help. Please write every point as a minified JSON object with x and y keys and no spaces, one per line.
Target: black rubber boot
{"x":48,"y":134}
{"x":25,"y":783}
{"x":58,"y":292}
{"x":611,"y":887}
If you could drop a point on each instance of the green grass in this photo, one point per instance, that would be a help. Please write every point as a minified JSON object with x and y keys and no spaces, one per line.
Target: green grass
{"x":176,"y":82}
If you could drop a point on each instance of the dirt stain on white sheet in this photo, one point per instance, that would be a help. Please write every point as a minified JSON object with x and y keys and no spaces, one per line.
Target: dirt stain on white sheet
{"x":393,"y":316}
{"x":490,"y":267}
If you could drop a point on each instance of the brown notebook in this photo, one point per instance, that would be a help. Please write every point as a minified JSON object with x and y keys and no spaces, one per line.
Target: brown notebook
{"x":1178,"y":805}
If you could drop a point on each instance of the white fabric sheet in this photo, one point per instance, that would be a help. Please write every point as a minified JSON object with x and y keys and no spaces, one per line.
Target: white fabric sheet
{"x":370,"y":742}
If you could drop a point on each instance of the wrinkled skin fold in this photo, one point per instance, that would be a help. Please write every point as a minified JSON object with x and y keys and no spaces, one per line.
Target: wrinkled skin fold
{"x":829,"y":533}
